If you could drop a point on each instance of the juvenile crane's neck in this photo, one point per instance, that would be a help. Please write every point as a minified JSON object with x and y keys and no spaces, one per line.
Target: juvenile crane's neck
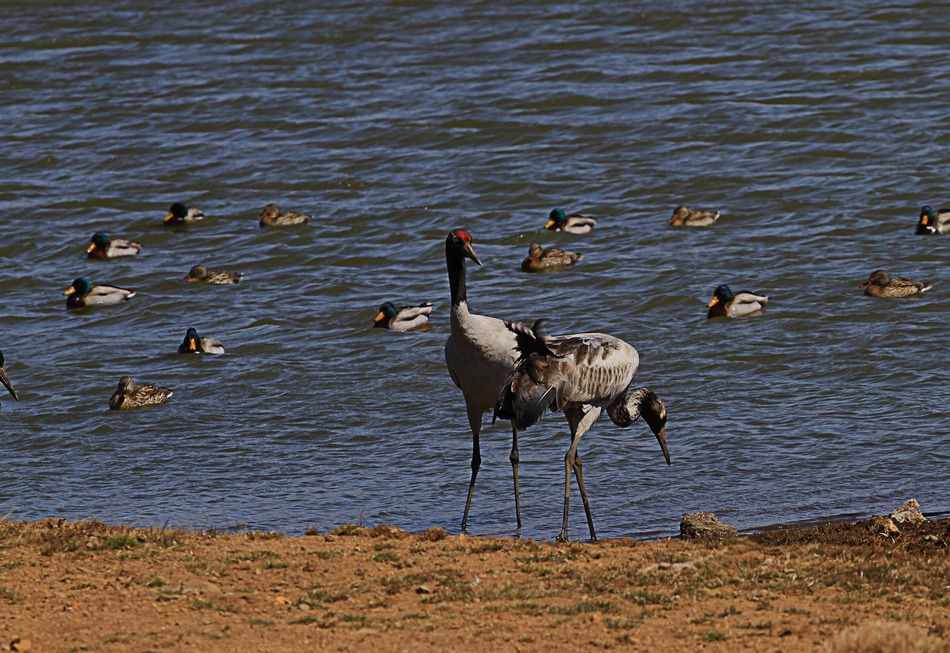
{"x":642,"y":402}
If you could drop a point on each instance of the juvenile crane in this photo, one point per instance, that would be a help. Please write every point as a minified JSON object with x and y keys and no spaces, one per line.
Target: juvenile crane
{"x":480,"y":354}
{"x":580,"y":375}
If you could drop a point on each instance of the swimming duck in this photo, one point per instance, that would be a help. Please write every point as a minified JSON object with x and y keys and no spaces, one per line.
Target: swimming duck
{"x":881,"y":284}
{"x":574,"y":223}
{"x":104,"y":247}
{"x":193,"y":344}
{"x":82,"y":293}
{"x":272,"y":216}
{"x":685,"y":217}
{"x":201,"y":273}
{"x":5,"y":380}
{"x":405,"y":318}
{"x":933,"y":222}
{"x":178,"y":213}
{"x":741,"y":304}
{"x":133,"y":395}
{"x":540,"y":259}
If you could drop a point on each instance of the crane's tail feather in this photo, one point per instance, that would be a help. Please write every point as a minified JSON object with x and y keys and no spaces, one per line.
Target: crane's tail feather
{"x":527,"y":394}
{"x":530,"y":340}
{"x":523,"y":401}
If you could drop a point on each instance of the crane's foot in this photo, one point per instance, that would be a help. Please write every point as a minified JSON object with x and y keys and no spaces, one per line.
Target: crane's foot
{"x":561,"y":537}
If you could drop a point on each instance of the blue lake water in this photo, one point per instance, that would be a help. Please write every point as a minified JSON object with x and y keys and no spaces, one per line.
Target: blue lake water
{"x":818,"y":129}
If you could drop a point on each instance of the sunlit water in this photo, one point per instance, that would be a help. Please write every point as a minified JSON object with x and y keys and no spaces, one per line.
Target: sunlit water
{"x":818,"y":131}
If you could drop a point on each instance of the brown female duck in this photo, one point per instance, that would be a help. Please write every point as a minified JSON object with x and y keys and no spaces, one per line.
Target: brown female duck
{"x":133,"y":395}
{"x":881,"y":284}
{"x":540,"y":259}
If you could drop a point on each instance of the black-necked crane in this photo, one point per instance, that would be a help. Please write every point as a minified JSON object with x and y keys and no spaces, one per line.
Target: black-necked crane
{"x":480,"y":354}
{"x":580,"y":375}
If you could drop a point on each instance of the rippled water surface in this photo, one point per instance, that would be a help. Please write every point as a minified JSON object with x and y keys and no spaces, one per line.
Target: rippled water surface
{"x":818,"y":129}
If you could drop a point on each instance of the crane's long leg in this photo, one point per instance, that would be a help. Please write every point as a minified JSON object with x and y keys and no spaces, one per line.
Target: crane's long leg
{"x":515,"y":459}
{"x":579,"y":474}
{"x":587,"y":421}
{"x":579,"y":419}
{"x":568,"y":465}
{"x":475,"y":422}
{"x":476,"y":463}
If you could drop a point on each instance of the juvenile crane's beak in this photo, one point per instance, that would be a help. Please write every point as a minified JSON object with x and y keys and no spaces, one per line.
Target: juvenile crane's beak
{"x":661,"y":438}
{"x":6,"y":382}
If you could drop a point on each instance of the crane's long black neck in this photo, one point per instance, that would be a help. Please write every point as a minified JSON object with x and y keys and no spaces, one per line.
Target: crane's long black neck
{"x":455,"y":263}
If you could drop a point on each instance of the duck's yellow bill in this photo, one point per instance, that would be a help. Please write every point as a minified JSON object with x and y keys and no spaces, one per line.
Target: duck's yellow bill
{"x":379,"y":317}
{"x":550,"y":223}
{"x":70,"y":291}
{"x":713,"y":301}
{"x":169,"y":217}
{"x":91,"y":247}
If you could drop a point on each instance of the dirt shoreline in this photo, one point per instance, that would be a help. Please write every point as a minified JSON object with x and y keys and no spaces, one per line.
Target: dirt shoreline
{"x":87,"y":586}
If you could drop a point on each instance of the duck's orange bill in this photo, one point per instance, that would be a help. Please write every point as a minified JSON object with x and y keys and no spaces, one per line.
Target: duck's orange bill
{"x":91,"y":247}
{"x":169,"y":217}
{"x":70,"y":291}
{"x":713,"y":301}
{"x":549,"y":224}
{"x":379,"y":317}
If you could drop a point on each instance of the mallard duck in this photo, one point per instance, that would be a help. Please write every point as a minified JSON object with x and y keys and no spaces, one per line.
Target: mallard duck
{"x":933,"y":222}
{"x":404,"y":318}
{"x":540,"y":259}
{"x":5,"y":380}
{"x":575,"y":223}
{"x":104,"y":247}
{"x":201,"y":273}
{"x":193,"y":344}
{"x":682,"y":216}
{"x":741,"y":304}
{"x":881,"y":284}
{"x":272,"y":216}
{"x":178,"y":213}
{"x":132,"y":395}
{"x":82,"y":293}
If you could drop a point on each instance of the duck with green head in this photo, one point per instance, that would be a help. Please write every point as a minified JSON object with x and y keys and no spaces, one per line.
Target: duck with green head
{"x":82,"y":293}
{"x":134,"y":395}
{"x":179,"y":214}
{"x":933,"y":222}
{"x":881,"y":284}
{"x":575,"y":223}
{"x":725,"y":303}
{"x":194,"y":344}
{"x":6,"y":381}
{"x":406,"y":318}
{"x":102,"y":246}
